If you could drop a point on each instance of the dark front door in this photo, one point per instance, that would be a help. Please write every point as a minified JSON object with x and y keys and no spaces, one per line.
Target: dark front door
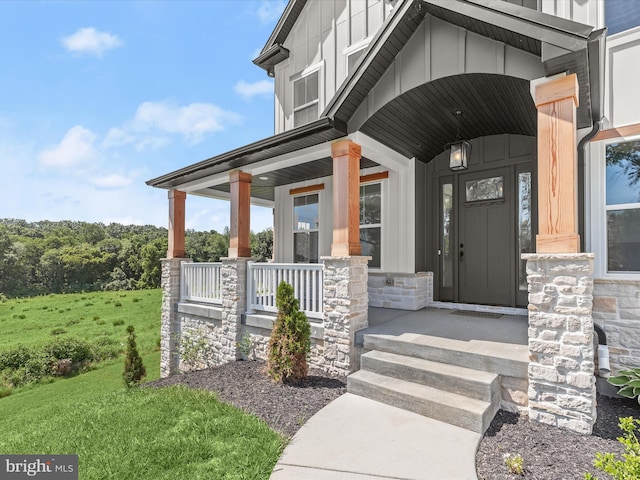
{"x":485,"y":222}
{"x":486,"y":261}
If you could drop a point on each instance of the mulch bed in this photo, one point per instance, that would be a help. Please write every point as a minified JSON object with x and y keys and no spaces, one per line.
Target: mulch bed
{"x":549,"y":453}
{"x":245,"y":385}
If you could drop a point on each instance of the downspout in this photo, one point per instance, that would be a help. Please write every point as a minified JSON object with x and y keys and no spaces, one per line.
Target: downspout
{"x":596,"y":52}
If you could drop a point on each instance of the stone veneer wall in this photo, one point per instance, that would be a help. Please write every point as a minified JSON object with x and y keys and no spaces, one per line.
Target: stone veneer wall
{"x":616,"y":309}
{"x":170,"y":285}
{"x":346,"y":306}
{"x":403,"y":291}
{"x":258,"y":329}
{"x":562,"y":389}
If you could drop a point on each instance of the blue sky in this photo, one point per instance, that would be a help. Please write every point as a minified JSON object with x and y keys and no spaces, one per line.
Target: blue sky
{"x":98,"y":97}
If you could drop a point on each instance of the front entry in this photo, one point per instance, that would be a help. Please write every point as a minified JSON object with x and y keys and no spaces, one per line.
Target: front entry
{"x":485,"y":237}
{"x":485,"y":221}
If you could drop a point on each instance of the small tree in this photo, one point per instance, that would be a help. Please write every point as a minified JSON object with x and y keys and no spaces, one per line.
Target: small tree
{"x":134,"y":370}
{"x":290,"y":341}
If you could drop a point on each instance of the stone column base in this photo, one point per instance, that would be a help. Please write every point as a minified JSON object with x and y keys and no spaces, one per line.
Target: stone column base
{"x":562,"y":380}
{"x":170,"y":284}
{"x":346,"y":308}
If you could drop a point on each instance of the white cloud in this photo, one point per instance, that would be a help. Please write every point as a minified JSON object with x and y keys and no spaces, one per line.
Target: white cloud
{"x":111,"y":181}
{"x":154,"y":123}
{"x":192,"y":121}
{"x":116,"y":137}
{"x":270,"y":10}
{"x":76,"y":148}
{"x":90,"y":41}
{"x":249,"y":90}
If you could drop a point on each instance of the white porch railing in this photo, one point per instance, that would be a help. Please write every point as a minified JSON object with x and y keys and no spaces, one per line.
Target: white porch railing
{"x":306,"y":278}
{"x":201,"y":282}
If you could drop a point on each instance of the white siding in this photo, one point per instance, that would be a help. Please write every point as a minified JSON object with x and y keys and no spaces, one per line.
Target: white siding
{"x":439,"y":49}
{"x":323,"y":32}
{"x":621,"y":85}
{"x":398,"y":219}
{"x":589,"y":12}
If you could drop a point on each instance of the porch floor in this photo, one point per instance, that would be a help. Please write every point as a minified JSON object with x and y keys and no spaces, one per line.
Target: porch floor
{"x":448,"y":324}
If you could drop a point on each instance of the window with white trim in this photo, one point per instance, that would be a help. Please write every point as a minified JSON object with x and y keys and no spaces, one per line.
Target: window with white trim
{"x":306,"y":225}
{"x":371,"y":222}
{"x":353,"y":58}
{"x":306,"y":99}
{"x":622,"y":200}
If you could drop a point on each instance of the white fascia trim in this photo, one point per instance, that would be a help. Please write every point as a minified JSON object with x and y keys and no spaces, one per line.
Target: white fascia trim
{"x":379,"y":153}
{"x":218,"y":195}
{"x":264,"y":167}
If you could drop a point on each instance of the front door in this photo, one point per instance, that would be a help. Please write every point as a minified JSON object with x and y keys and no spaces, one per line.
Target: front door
{"x":485,"y":238}
{"x":485,"y":223}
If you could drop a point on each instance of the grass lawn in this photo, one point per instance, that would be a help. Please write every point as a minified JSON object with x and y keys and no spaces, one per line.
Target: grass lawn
{"x":119,"y":433}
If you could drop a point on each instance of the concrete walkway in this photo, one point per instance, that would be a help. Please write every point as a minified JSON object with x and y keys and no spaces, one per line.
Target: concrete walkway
{"x":357,"y":438}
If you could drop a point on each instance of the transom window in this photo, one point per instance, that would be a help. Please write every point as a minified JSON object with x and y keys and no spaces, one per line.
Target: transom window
{"x":371,"y":222}
{"x":623,"y":206}
{"x":305,"y":99}
{"x":306,"y":224}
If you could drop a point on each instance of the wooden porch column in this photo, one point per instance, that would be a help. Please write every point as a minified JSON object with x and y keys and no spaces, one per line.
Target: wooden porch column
{"x":346,"y":199}
{"x":557,"y":101}
{"x":239,"y":245}
{"x":176,"y":224}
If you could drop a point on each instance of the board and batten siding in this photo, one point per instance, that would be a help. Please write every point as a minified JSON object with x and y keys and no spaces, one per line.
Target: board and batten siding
{"x":324,"y":33}
{"x":398,"y":219}
{"x":439,"y":49}
{"x":589,"y":12}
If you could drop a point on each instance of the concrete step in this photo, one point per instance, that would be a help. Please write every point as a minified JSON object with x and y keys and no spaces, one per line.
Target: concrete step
{"x":499,"y":358}
{"x":461,"y":411}
{"x":463,"y":381}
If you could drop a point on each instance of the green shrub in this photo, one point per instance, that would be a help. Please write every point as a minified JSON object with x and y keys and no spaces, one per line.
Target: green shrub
{"x":117,"y":304}
{"x":629,"y":383}
{"x":117,"y":323}
{"x":290,"y":341}
{"x":22,"y":316}
{"x":15,"y":357}
{"x":58,"y":331}
{"x":68,"y":347}
{"x":135,"y":300}
{"x":96,"y":317}
{"x":626,"y":469}
{"x":5,"y":392}
{"x":134,"y":370}
{"x":105,"y":347}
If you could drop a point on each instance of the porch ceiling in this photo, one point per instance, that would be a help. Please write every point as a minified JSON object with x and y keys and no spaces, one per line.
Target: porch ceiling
{"x":264,"y":189}
{"x":421,"y":121}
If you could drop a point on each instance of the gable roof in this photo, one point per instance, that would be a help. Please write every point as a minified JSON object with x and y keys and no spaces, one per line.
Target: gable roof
{"x":563,"y":45}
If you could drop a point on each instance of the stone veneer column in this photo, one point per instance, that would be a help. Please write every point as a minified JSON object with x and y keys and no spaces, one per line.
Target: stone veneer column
{"x":562,"y":389}
{"x":170,"y":284}
{"x":234,"y":304}
{"x":346,"y":306}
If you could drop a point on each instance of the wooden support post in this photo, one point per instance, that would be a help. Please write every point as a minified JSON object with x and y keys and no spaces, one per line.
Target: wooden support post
{"x":346,"y":199}
{"x":176,"y":224}
{"x":557,"y":101}
{"x":239,"y":244}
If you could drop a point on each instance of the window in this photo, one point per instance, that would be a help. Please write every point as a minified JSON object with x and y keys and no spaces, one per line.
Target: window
{"x":306,"y":223}
{"x":353,"y":58}
{"x":622,"y":192}
{"x":305,"y":99}
{"x":371,"y":222}
{"x":621,"y":15}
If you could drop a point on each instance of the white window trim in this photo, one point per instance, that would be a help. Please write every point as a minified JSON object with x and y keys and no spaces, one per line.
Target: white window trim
{"x":317,"y":67}
{"x":293,"y":223}
{"x":350,"y":50}
{"x":596,"y":211}
{"x":382,"y":184}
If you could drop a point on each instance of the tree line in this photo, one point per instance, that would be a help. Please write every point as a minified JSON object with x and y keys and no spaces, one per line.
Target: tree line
{"x":69,"y":256}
